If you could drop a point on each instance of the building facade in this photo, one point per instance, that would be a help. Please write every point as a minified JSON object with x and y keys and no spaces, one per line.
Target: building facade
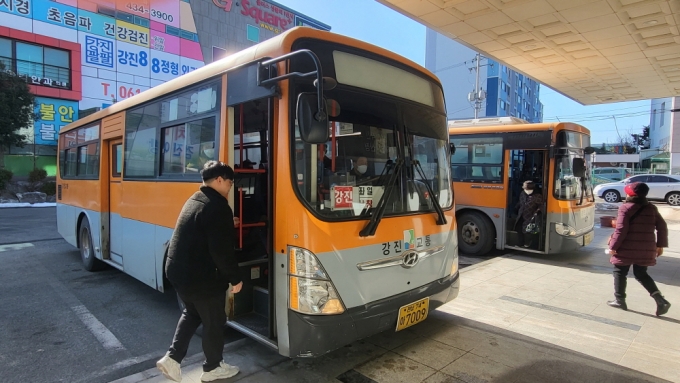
{"x":664,"y":134}
{"x":508,"y":93}
{"x":79,"y":56}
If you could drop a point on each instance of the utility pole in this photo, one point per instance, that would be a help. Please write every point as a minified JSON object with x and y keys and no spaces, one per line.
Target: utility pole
{"x":478,"y":94}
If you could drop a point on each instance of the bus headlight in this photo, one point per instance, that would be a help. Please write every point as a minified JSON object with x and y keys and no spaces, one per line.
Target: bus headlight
{"x":454,"y":264}
{"x":311,"y":291}
{"x":565,"y":230}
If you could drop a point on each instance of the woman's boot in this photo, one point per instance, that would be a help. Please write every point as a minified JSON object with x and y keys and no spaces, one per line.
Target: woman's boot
{"x":619,"y":303}
{"x":662,"y":305}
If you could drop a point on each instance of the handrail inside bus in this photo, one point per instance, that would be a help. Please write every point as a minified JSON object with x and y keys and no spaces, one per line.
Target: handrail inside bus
{"x":268,"y":65}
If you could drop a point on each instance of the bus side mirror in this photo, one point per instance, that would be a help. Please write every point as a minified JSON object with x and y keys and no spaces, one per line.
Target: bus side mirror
{"x":589,"y":150}
{"x":313,"y":123}
{"x":578,"y":166}
{"x":452,"y":149}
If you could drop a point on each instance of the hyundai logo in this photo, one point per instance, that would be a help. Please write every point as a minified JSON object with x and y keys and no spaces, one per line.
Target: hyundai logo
{"x":410,"y":259}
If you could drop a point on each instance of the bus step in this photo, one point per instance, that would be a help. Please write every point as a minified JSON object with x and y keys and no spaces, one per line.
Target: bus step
{"x":255,"y":322}
{"x":261,"y":301}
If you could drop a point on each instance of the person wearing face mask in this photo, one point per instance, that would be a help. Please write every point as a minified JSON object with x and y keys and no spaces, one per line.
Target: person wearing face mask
{"x":530,"y":203}
{"x":360,"y":170}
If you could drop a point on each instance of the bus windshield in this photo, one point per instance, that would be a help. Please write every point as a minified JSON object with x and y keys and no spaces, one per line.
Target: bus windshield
{"x":347,"y":176}
{"x":570,"y":145}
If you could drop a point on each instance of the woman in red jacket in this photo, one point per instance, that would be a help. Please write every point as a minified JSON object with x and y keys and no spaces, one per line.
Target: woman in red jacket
{"x":635,"y":243}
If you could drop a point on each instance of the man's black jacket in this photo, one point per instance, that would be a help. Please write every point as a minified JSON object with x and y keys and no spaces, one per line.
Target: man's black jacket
{"x":201,"y":261}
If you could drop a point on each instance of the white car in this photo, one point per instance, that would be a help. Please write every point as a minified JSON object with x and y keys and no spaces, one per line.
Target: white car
{"x":661,"y":188}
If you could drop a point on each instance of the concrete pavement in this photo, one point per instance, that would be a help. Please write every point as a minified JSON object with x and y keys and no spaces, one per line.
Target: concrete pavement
{"x":518,"y":318}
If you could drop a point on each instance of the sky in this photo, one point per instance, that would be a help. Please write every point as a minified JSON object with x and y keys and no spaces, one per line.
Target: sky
{"x":377,"y":24}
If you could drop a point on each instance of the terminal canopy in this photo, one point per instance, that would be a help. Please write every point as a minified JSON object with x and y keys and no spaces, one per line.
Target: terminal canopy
{"x":591,"y":51}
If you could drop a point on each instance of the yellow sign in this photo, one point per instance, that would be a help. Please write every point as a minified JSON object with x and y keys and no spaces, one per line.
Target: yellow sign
{"x":413,"y":313}
{"x":131,"y":33}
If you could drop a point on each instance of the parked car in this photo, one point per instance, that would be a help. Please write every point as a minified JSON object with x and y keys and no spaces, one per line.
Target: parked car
{"x":661,"y":188}
{"x":613,"y":174}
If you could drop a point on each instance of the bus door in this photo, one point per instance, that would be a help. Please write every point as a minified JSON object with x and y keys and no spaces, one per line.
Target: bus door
{"x":115,"y":191}
{"x":526,"y":165}
{"x":250,"y":310}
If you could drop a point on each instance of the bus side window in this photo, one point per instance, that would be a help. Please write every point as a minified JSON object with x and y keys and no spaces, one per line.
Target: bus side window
{"x":460,"y":172}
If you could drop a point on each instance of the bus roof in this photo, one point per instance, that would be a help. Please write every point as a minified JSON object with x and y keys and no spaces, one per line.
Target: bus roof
{"x":273,"y":47}
{"x":508,"y":128}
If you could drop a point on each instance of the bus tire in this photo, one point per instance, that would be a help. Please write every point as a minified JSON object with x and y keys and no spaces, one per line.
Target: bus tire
{"x":673,"y":199}
{"x":86,"y":246}
{"x":611,"y":196}
{"x":475,"y":234}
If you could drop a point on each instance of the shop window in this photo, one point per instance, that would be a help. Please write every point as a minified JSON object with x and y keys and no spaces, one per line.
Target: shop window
{"x":38,"y":64}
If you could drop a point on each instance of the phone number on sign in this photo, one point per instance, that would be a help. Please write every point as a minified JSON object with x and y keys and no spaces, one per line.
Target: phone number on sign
{"x":123,"y":91}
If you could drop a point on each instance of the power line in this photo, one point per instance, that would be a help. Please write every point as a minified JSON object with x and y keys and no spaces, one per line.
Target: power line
{"x":607,"y":116}
{"x":617,"y":128}
{"x":563,"y":116}
{"x":451,"y":66}
{"x":466,"y":108}
{"x":603,"y":117}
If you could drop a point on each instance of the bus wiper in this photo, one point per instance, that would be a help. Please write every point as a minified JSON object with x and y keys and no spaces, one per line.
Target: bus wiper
{"x":372,"y":224}
{"x":582,"y":182}
{"x":441,"y":219}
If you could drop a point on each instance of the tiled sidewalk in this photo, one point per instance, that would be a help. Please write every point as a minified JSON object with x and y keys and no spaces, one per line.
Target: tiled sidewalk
{"x":518,"y":318}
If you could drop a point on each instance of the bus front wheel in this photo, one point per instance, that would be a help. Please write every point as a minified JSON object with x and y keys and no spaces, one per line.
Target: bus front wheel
{"x":475,"y":234}
{"x":90,"y":262}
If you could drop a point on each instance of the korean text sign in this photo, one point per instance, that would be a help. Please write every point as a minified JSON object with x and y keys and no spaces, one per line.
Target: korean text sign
{"x":53,"y":114}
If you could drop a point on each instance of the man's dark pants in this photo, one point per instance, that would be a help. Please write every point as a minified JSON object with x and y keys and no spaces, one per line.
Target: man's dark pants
{"x":209,"y":311}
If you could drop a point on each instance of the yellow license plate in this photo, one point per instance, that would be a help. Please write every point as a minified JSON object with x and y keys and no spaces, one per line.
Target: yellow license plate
{"x":588,"y":237}
{"x":413,"y":313}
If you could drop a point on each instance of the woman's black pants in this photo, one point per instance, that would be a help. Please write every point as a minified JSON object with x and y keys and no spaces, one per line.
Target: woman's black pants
{"x":640,"y":272}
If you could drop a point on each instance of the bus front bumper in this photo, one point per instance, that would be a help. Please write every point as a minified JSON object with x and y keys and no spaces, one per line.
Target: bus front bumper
{"x":563,"y":244}
{"x":315,"y":335}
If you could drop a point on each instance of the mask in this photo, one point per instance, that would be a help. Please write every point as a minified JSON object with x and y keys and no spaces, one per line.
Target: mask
{"x":528,"y":191}
{"x":362,"y":168}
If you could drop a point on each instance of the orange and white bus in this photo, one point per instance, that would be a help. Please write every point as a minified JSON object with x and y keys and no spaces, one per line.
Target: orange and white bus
{"x":328,"y":255}
{"x":494,"y":156}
